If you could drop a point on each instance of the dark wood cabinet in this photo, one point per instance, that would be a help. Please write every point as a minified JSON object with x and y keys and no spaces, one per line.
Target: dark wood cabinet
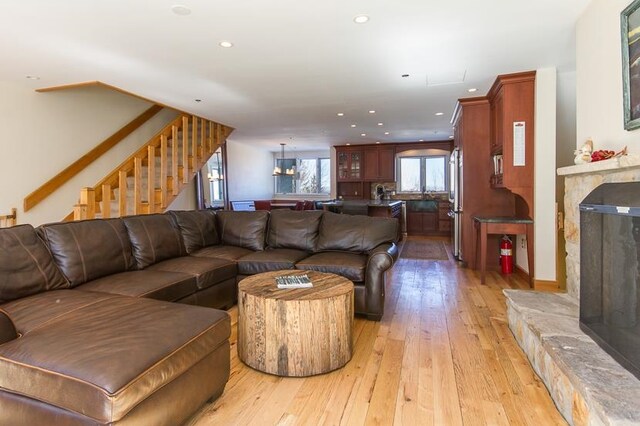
{"x":379,"y":163}
{"x":349,"y":164}
{"x":435,"y":221}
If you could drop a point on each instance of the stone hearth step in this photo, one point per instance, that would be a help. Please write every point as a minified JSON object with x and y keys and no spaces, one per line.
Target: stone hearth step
{"x":587,"y":385}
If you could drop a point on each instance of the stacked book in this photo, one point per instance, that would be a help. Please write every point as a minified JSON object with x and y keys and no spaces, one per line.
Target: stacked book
{"x":294,"y":281}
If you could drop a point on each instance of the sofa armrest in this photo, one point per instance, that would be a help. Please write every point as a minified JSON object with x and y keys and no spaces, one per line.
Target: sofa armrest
{"x":7,"y":329}
{"x":380,"y":260}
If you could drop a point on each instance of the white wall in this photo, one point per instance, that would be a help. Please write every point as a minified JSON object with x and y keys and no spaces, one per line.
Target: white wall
{"x":43,"y":133}
{"x":599,"y":78}
{"x":545,"y":175}
{"x":249,"y":170}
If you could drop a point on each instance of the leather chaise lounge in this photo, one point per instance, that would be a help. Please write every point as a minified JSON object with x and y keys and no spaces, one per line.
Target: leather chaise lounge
{"x":90,"y":331}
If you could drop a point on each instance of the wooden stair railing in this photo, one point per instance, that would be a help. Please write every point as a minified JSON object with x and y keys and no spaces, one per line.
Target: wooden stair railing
{"x":150,"y":179}
{"x":64,"y":176}
{"x":9,"y":219}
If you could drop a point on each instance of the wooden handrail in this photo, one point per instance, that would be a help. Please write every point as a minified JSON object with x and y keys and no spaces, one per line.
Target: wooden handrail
{"x":9,"y":219}
{"x":64,"y":176}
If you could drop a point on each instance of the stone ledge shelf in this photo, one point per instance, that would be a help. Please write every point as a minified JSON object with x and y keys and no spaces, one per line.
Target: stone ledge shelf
{"x":586,"y":384}
{"x":617,"y":163}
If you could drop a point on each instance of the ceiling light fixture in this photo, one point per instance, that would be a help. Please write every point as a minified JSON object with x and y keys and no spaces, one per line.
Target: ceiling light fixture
{"x":380,"y":124}
{"x":348,"y":144}
{"x":386,"y":133}
{"x":361,"y":19}
{"x":421,"y":140}
{"x":341,"y":114}
{"x":225,"y":44}
{"x":372,"y":111}
{"x":353,"y":125}
{"x":451,"y":137}
{"x":181,"y":10}
{"x":32,"y":77}
{"x":439,"y":113}
{"x":277,"y":170}
{"x":363,"y":134}
{"x":377,"y":141}
{"x":473,"y":89}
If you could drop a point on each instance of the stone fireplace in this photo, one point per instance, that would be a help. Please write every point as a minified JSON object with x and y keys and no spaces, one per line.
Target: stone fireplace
{"x":586,"y":383}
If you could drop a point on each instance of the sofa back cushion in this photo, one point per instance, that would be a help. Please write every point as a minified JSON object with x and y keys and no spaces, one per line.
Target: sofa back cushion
{"x":26,"y":266}
{"x":294,"y":229}
{"x":154,"y":238}
{"x":243,"y":229}
{"x":355,"y":233}
{"x":198,"y":228}
{"x":89,"y":249}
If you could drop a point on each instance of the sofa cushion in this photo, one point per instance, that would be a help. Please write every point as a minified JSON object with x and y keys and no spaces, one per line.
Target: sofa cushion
{"x":105,"y":359}
{"x":30,"y":313}
{"x":355,"y":233}
{"x":154,"y":238}
{"x":243,"y":229}
{"x":26,"y":266}
{"x":269,"y":260}
{"x":160,"y":285}
{"x":232,"y":253}
{"x":89,"y":249}
{"x":198,"y":228}
{"x":207,"y":271}
{"x":294,"y":229}
{"x":348,"y":265}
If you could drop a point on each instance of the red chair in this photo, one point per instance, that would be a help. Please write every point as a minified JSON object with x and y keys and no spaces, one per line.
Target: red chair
{"x":262,"y":205}
{"x":309,"y":205}
{"x":299,"y":205}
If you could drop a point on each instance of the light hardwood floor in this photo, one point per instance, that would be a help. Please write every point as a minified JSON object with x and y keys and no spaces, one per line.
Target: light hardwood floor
{"x":443,"y":354}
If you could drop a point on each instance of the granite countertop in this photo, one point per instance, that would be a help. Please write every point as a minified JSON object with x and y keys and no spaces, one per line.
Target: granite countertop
{"x":368,"y":203}
{"x":502,"y":219}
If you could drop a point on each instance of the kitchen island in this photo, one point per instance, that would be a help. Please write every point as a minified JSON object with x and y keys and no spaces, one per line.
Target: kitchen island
{"x":378,"y":208}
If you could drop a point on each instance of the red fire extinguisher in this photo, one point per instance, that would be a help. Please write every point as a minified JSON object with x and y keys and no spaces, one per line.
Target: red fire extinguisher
{"x":506,"y":255}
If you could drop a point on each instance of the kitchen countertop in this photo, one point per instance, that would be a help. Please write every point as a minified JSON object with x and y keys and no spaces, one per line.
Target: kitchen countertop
{"x":368,"y":203}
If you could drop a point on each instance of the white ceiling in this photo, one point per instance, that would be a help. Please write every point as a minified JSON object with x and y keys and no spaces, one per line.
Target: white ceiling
{"x":295,"y":64}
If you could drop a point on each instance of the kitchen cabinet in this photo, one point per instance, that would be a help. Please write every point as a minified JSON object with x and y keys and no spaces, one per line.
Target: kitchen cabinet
{"x":472,"y":121}
{"x":428,"y":217}
{"x":379,"y":163}
{"x":349,"y":164}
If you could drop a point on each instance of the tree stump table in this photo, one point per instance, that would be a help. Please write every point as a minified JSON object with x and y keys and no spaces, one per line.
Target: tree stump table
{"x":295,"y":332}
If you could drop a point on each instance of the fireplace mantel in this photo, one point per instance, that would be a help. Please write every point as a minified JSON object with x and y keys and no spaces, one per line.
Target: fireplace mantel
{"x":613,"y":164}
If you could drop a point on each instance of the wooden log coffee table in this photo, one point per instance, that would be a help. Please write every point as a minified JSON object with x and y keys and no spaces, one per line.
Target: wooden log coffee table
{"x":295,"y":332}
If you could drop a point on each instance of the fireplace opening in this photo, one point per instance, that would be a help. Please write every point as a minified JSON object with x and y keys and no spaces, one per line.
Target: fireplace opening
{"x":610,"y":271}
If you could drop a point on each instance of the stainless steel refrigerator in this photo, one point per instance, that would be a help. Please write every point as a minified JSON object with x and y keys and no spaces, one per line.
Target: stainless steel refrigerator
{"x":455,"y":197}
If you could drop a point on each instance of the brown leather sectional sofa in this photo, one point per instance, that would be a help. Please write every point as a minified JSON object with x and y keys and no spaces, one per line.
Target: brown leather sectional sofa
{"x":87,"y":333}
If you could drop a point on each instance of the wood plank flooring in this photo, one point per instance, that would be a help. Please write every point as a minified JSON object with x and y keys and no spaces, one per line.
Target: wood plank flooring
{"x":443,"y":354}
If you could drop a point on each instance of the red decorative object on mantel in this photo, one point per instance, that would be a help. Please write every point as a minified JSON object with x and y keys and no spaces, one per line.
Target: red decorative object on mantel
{"x":605,"y":154}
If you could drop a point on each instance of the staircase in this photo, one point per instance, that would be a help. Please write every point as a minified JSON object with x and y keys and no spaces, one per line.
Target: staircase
{"x":149,"y":180}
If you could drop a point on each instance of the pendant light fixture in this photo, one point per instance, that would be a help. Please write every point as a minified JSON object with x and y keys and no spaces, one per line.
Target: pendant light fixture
{"x":277,"y":170}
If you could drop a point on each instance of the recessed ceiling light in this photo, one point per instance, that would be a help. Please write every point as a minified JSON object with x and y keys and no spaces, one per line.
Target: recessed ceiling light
{"x":380,"y":124}
{"x":377,"y":141}
{"x":32,"y":77}
{"x":198,"y":100}
{"x":439,"y":113}
{"x":225,"y":43}
{"x":179,"y":9}
{"x":348,"y":144}
{"x":341,"y":114}
{"x":353,"y":125}
{"x":363,"y":134}
{"x":451,"y":137}
{"x":405,"y":75}
{"x":473,"y":89}
{"x":386,"y":133}
{"x":372,"y":111}
{"x":361,"y":19}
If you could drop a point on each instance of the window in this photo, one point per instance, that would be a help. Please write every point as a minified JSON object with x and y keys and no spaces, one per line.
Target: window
{"x":312,"y":176}
{"x":423,"y":174}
